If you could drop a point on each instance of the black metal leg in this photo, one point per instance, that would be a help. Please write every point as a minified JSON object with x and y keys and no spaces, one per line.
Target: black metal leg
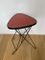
{"x":18,"y":45}
{"x":31,"y":43}
{"x":23,"y":38}
{"x":13,"y":40}
{"x":15,"y":48}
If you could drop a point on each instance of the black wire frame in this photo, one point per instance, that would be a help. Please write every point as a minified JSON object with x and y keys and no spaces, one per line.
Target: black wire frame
{"x":23,"y":36}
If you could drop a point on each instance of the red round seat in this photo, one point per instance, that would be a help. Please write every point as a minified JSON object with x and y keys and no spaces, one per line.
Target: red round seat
{"x":21,"y":20}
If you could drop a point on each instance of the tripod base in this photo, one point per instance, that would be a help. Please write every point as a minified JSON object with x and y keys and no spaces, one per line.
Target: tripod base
{"x":23,"y":36}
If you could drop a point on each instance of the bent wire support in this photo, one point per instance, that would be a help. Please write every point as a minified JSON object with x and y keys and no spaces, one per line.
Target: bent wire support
{"x":23,"y":36}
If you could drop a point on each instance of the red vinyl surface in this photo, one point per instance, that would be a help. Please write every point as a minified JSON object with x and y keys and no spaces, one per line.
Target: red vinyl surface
{"x":21,"y":20}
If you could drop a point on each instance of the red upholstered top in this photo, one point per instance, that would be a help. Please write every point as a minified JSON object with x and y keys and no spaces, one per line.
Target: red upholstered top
{"x":21,"y":20}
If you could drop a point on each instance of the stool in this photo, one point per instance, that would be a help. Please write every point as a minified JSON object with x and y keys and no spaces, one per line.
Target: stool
{"x":21,"y":21}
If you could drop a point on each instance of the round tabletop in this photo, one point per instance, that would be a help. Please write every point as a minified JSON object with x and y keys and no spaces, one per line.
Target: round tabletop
{"x":21,"y":20}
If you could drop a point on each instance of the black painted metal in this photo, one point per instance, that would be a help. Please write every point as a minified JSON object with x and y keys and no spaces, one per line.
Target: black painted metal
{"x":23,"y":36}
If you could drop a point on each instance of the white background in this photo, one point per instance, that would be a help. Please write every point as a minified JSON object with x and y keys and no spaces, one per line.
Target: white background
{"x":34,"y":8}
